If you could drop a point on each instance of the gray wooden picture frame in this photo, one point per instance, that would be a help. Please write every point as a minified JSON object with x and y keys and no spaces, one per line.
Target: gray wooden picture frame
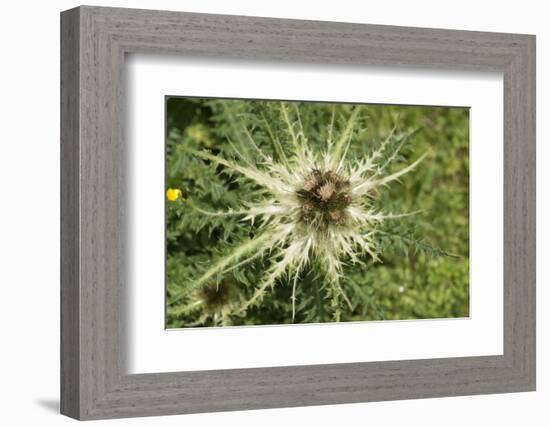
{"x":94,"y":381}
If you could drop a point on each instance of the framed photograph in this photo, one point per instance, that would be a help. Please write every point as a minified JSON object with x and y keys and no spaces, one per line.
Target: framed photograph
{"x":261,"y":213}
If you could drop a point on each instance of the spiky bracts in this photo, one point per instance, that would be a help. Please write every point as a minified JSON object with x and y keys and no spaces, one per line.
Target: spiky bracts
{"x":316,"y":207}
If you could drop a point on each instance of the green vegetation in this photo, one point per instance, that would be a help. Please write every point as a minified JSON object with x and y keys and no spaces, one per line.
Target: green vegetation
{"x":422,"y":269}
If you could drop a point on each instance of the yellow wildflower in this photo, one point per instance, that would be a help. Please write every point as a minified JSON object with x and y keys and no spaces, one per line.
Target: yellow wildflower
{"x":172,"y":194}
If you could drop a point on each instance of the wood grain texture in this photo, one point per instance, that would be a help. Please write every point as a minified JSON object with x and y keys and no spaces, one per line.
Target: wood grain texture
{"x":94,"y":272}
{"x":70,"y":314}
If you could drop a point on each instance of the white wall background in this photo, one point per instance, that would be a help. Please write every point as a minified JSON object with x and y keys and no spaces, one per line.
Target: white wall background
{"x":29,"y":212}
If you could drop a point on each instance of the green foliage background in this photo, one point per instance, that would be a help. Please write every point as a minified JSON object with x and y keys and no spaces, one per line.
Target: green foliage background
{"x":415,"y":280}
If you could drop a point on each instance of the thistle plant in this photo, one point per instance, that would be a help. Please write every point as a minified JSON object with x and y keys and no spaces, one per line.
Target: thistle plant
{"x":295,"y":208}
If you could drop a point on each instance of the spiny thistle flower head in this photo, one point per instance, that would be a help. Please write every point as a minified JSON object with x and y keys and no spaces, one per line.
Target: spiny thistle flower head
{"x":315,"y":206}
{"x":324,"y":197}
